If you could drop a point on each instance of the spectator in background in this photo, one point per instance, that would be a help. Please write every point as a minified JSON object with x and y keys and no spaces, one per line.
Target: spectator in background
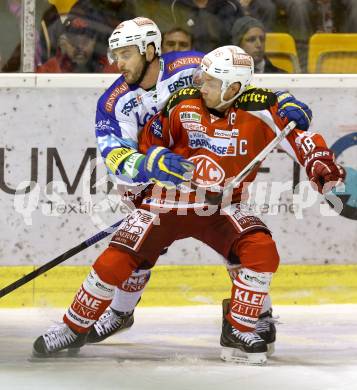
{"x":104,"y":15}
{"x":345,"y":15}
{"x":49,"y":27}
{"x":209,"y":21}
{"x":75,"y":53}
{"x":263,"y":10}
{"x":150,"y":8}
{"x":49,"y":17}
{"x":249,"y":34}
{"x":10,"y":37}
{"x":47,"y":21}
{"x":176,"y":39}
{"x":306,"y":17}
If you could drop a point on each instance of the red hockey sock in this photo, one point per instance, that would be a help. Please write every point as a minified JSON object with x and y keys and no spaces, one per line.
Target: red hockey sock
{"x":111,"y":269}
{"x":248,"y":293}
{"x":89,"y":303}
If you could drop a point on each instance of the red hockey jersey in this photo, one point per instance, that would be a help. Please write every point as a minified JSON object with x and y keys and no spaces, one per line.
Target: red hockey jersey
{"x":221,"y":147}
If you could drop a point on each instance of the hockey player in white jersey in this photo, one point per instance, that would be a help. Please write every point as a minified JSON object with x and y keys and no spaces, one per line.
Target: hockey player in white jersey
{"x":146,"y":82}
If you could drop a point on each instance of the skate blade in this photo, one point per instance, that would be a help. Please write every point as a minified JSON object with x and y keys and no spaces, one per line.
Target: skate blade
{"x":240,"y":357}
{"x":271,"y":349}
{"x":70,"y":352}
{"x":99,"y":340}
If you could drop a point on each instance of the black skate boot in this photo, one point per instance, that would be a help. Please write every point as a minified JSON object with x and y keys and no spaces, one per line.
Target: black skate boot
{"x":57,"y":338}
{"x":266,"y":329}
{"x":241,"y":347}
{"x":110,"y":322}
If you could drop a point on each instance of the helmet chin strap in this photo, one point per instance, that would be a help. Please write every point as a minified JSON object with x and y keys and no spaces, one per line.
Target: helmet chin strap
{"x":226,"y":103}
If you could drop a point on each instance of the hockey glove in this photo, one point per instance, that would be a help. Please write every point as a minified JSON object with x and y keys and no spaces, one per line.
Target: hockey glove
{"x":323,"y":171}
{"x":294,"y":110}
{"x":165,"y":168}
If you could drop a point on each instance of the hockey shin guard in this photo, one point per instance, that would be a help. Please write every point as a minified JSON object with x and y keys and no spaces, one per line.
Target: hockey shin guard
{"x":248,"y":294}
{"x":91,"y":300}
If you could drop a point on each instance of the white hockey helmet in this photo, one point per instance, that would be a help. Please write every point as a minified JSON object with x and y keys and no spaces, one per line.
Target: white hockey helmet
{"x":140,"y":32}
{"x":230,"y":64}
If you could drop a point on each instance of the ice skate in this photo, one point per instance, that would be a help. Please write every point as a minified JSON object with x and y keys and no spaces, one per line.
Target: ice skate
{"x":57,"y":338}
{"x":241,"y":347}
{"x":266,"y":329}
{"x":109,"y":323}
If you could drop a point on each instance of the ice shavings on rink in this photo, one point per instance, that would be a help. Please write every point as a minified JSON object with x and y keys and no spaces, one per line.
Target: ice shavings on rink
{"x":178,"y":348}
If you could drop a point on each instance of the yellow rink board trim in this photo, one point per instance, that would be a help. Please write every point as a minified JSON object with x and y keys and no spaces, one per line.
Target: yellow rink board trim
{"x":175,"y":285}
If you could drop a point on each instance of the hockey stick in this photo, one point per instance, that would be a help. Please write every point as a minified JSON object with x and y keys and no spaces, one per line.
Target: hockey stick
{"x":104,"y":233}
{"x":217,"y":199}
{"x":58,"y":260}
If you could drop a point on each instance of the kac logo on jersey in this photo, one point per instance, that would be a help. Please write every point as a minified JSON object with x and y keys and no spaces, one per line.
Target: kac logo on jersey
{"x":207,"y":172}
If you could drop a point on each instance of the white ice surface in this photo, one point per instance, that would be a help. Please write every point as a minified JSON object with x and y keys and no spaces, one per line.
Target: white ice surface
{"x":178,"y":348}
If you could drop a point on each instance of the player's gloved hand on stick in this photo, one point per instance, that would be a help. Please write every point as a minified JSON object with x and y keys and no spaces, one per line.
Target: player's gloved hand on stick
{"x":323,"y":171}
{"x":294,"y":110}
{"x":165,"y":168}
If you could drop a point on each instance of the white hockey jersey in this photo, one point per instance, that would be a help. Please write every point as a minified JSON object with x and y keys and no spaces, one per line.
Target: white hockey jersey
{"x":123,"y":110}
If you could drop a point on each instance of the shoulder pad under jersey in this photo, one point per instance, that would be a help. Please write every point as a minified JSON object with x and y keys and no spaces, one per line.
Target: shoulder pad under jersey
{"x":256,"y":99}
{"x":179,"y":96}
{"x":177,"y":61}
{"x":110,"y":97}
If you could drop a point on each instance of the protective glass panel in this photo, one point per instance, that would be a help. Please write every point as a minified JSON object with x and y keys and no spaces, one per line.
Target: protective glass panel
{"x":283,"y":36}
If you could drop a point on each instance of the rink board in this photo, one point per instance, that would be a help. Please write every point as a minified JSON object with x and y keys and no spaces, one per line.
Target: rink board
{"x":47,"y":133}
{"x":190,"y":285}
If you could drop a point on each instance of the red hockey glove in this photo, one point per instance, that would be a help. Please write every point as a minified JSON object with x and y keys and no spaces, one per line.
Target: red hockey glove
{"x":323,"y":171}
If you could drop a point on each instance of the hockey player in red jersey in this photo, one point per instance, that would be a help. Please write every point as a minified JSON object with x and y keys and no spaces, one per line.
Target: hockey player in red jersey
{"x":144,"y":87}
{"x":147,"y":81}
{"x":221,"y":127}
